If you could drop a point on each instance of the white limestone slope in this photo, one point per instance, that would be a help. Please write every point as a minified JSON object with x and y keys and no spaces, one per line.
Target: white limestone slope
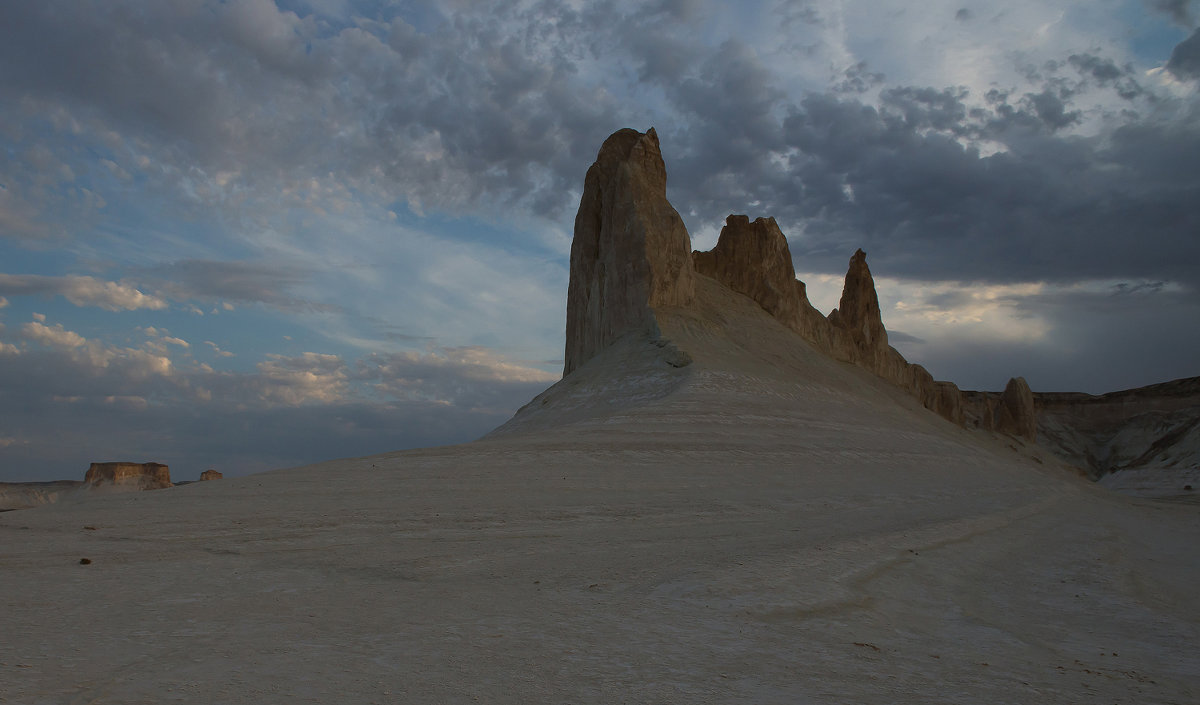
{"x":762,"y":525}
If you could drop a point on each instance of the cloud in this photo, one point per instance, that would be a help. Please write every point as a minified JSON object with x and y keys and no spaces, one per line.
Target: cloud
{"x":287,"y":410}
{"x":217,"y":350}
{"x":1179,"y":10}
{"x":470,"y":377}
{"x":308,"y":378}
{"x":82,"y":291}
{"x":54,"y":336}
{"x":1185,"y":58}
{"x":242,"y":282}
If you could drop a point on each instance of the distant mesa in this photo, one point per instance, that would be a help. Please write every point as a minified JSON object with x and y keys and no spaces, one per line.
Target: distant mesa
{"x":104,"y":477}
{"x":146,"y":476}
{"x":631,"y":261}
{"x":210,"y":474}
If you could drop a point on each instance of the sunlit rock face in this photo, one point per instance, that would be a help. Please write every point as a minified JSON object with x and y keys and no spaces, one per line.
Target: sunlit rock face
{"x":630,"y":253}
{"x":149,"y":476}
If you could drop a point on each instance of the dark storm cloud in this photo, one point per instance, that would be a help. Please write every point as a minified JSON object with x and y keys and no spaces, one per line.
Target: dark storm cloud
{"x":460,"y":111}
{"x":1179,"y":10}
{"x":1103,"y":341}
{"x":1185,"y":58}
{"x":903,"y":181}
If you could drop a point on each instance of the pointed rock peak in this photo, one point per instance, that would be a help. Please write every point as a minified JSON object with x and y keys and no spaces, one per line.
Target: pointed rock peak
{"x":1017,"y":414}
{"x":631,"y":252}
{"x":858,"y":310}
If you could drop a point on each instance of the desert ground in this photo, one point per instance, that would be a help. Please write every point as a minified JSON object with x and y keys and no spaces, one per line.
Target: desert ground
{"x":762,"y":525}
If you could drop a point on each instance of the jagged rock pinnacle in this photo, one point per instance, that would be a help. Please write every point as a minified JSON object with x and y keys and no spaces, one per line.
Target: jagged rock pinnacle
{"x":858,"y":311}
{"x":630,"y":253}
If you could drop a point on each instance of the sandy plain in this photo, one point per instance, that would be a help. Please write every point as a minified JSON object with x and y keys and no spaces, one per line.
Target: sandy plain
{"x":763,"y":525}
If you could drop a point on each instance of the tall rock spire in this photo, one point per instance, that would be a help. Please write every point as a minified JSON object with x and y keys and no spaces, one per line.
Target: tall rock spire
{"x":631,"y":251}
{"x":858,"y":311}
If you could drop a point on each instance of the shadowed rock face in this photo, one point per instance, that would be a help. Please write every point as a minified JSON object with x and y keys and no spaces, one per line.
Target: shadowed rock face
{"x":150,"y":475}
{"x":631,"y":251}
{"x":858,"y":311}
{"x":1016,"y":415}
{"x":753,"y":259}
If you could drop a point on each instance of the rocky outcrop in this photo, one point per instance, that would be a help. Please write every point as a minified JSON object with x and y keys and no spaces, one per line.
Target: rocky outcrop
{"x":631,"y":251}
{"x":1015,"y":414}
{"x":149,"y":476}
{"x":630,"y":255}
{"x":753,"y":259}
{"x":210,"y":474}
{"x":858,"y":314}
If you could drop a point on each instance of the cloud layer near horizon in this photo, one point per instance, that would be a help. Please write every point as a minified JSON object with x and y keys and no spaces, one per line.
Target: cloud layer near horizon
{"x":353,"y":209}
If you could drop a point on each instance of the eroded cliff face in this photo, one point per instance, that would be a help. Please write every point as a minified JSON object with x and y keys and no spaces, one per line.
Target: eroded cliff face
{"x":631,"y":251}
{"x":149,"y":476}
{"x":1149,"y":428}
{"x":631,"y":254}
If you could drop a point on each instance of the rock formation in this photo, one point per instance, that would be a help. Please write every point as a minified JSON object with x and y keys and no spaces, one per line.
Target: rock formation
{"x":858,"y":313}
{"x":210,"y":474}
{"x":631,"y":251}
{"x":630,"y":256}
{"x":753,"y":259}
{"x":1016,"y":415}
{"x":149,"y":476}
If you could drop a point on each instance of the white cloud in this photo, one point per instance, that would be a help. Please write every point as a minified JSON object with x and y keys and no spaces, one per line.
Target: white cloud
{"x":470,"y":377}
{"x":53,"y":336}
{"x":8,"y":349}
{"x":308,"y":378}
{"x":82,"y":291}
{"x":217,"y":350}
{"x":127,"y":362}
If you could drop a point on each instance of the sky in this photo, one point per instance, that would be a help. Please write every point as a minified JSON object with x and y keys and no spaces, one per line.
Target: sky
{"x":254,"y":234}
